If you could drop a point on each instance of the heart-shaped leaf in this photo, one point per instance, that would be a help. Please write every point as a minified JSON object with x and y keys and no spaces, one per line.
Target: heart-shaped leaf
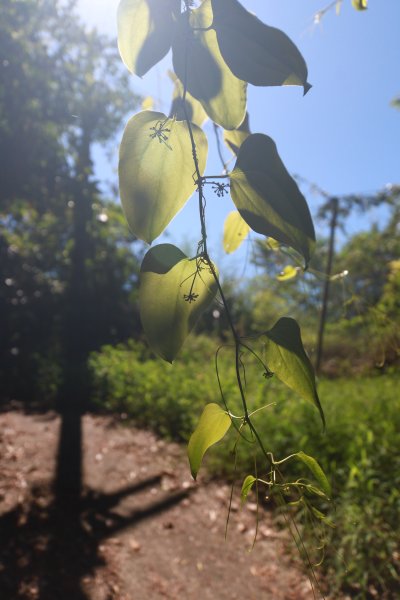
{"x":145,"y":29}
{"x":213,"y":425}
{"x":174,"y":291}
{"x":285,"y":356}
{"x":156,"y":170}
{"x":235,"y":231}
{"x":255,"y":52}
{"x":199,"y":65}
{"x":268,"y":198}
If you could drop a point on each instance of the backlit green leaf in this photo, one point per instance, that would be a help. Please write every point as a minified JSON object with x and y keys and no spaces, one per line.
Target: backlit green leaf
{"x":198,"y":63}
{"x":213,"y":425}
{"x":235,"y":231}
{"x":156,"y":171}
{"x":145,"y":29}
{"x":317,"y":471}
{"x":194,"y":110}
{"x":268,"y":198}
{"x":288,"y":272}
{"x":174,"y":291}
{"x":360,"y":4}
{"x":255,"y":52}
{"x":235,"y":138}
{"x":246,"y":487}
{"x":285,"y":356}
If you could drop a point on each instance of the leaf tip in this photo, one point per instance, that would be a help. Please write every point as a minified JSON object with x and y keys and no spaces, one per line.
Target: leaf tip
{"x":307,"y":87}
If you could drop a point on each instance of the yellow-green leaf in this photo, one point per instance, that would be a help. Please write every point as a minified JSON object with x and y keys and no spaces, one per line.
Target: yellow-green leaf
{"x":284,"y":355}
{"x":246,"y":487}
{"x":145,"y":29}
{"x":174,"y":291}
{"x":156,"y":171}
{"x":288,"y":272}
{"x":148,"y":103}
{"x":198,"y":64}
{"x":194,"y":110}
{"x":360,"y":4}
{"x":255,"y":52}
{"x":235,"y":231}
{"x":317,"y":471}
{"x":213,"y":425}
{"x":268,"y":198}
{"x":235,"y":138}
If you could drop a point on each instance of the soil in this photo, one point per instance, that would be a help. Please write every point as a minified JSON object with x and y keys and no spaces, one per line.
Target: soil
{"x":143,"y":529}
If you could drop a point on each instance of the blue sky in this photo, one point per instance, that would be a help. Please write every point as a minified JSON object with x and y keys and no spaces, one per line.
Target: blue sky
{"x":343,"y":135}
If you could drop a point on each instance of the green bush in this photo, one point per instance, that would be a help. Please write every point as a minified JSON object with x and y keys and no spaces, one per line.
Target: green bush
{"x":168,"y":399}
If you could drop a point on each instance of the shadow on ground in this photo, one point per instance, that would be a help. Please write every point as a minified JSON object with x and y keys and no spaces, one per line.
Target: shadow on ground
{"x":43,"y":544}
{"x":51,"y":539}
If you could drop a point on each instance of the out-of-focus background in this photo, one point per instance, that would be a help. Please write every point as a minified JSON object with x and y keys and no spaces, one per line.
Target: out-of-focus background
{"x":71,"y":341}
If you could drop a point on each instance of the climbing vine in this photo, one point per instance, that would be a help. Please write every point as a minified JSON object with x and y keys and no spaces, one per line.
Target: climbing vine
{"x":218,"y":48}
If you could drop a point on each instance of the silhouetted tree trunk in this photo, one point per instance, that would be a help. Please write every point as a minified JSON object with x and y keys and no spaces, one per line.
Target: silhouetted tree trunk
{"x":328,"y":272}
{"x":76,"y":386}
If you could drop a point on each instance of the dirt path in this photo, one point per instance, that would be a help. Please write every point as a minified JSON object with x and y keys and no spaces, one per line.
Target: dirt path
{"x":145,"y":530}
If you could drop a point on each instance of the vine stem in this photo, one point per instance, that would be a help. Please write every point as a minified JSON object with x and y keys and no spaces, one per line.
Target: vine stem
{"x":200,"y":184}
{"x":219,"y":149}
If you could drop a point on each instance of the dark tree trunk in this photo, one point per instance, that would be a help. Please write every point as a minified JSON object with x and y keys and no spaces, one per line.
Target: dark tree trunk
{"x":74,"y":397}
{"x":328,"y":272}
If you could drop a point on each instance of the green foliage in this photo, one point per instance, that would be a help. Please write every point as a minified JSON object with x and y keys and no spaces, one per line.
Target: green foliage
{"x":357,"y":453}
{"x":316,"y":471}
{"x":247,"y":486}
{"x":268,"y":198}
{"x":174,"y":291}
{"x":194,"y":110}
{"x":284,"y":354}
{"x":145,"y":32}
{"x":216,"y":49}
{"x":153,"y":150}
{"x":169,"y":399}
{"x":211,"y":428}
{"x":199,"y":65}
{"x":255,"y":52}
{"x":235,"y":231}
